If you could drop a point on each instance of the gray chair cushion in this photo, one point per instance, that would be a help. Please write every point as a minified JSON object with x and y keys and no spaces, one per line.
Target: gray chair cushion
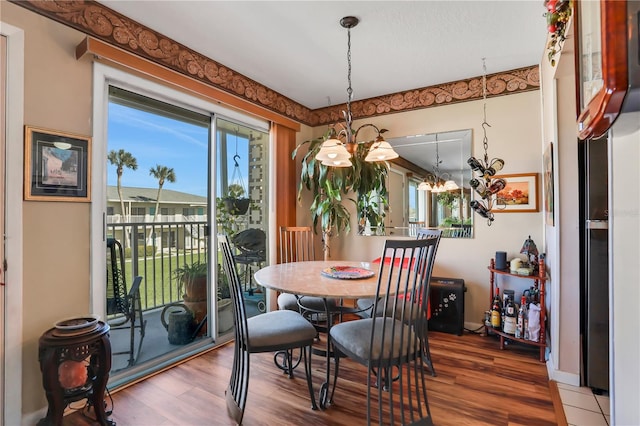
{"x":354,"y":338}
{"x":366,"y":305}
{"x":278,"y":329}
{"x":290,"y":302}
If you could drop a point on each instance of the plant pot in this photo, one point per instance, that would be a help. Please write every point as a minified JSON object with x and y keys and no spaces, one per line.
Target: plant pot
{"x":225,"y":315}
{"x":199,"y":311}
{"x":195,"y":289}
{"x":236,"y":206}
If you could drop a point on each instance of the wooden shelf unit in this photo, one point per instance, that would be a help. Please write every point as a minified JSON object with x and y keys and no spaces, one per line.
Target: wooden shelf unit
{"x":539,"y":282}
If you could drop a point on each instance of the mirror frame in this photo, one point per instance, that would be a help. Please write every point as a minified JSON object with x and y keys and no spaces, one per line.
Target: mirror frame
{"x":417,"y":162}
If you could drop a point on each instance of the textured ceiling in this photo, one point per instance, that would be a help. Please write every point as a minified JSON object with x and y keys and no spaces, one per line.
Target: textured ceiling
{"x":298,"y":48}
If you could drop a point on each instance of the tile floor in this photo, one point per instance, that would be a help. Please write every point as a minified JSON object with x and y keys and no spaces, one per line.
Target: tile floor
{"x":583,"y":408}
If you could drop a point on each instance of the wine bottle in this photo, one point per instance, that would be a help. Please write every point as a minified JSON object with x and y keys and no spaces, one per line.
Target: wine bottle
{"x":510,"y":314}
{"x":479,"y":187}
{"x":522,"y":312}
{"x":497,"y":186}
{"x":476,"y":165}
{"x":496,"y":311}
{"x":495,"y":166}
{"x":479,"y":208}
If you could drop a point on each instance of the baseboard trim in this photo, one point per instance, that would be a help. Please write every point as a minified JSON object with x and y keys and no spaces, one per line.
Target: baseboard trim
{"x":561,"y":376}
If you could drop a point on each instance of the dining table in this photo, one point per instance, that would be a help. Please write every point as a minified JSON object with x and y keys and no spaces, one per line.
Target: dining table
{"x":329,"y":280}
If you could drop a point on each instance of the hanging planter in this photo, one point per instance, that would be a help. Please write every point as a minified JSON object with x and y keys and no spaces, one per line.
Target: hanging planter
{"x":235,"y":201}
{"x":236,"y":206}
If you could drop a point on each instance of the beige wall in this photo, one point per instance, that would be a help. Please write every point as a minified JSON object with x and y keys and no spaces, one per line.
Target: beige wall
{"x":56,"y":235}
{"x":515,"y":137}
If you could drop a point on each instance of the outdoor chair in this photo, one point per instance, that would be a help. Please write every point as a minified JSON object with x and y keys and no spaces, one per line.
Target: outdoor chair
{"x":268,"y":332}
{"x":123,"y":307}
{"x":251,"y":249}
{"x":391,"y":346}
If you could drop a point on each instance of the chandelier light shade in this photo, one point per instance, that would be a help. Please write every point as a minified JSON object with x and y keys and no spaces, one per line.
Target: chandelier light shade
{"x":337,"y":150}
{"x":484,"y":184}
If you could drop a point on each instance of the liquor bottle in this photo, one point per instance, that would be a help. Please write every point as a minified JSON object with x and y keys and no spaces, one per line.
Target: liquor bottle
{"x":496,"y":311}
{"x":510,"y":314}
{"x":522,"y":313}
{"x":525,"y":326}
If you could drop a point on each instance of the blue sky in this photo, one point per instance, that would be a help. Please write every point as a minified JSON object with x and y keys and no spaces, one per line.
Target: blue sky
{"x":152,"y":140}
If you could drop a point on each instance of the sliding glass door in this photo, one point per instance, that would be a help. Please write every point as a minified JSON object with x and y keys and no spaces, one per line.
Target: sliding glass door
{"x":167,"y":179}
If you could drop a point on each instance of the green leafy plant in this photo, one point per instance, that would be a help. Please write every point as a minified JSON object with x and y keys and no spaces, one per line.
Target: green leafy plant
{"x":447,"y":198}
{"x":330,"y":185}
{"x":192,"y":278}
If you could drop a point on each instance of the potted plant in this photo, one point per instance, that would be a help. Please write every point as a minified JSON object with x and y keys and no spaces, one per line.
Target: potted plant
{"x":235,"y":202}
{"x":225,"y":307}
{"x":192,"y":279}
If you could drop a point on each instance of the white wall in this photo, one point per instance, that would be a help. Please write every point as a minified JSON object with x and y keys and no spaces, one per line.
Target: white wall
{"x":562,"y":236}
{"x":624,"y":246}
{"x":514,"y":136}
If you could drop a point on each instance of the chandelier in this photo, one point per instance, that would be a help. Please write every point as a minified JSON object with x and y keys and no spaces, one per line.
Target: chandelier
{"x":485,"y":185}
{"x":338,"y":149}
{"x":437,"y":182}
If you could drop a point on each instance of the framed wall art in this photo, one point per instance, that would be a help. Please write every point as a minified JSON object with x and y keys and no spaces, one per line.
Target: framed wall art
{"x":520,"y":195}
{"x":56,"y":166}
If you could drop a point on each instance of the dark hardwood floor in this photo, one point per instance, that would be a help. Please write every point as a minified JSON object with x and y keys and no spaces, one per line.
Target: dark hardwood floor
{"x":477,"y":384}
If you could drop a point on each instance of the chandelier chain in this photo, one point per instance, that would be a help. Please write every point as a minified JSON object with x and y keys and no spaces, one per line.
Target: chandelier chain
{"x":485,"y":140}
{"x":349,"y":89}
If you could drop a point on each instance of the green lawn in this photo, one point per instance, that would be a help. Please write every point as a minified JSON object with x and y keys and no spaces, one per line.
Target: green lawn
{"x":159,"y":285}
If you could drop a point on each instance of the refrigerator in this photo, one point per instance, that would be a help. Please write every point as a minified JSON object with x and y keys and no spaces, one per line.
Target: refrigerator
{"x":595,"y":264}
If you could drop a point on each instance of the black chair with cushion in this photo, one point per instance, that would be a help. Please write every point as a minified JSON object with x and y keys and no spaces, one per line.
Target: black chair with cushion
{"x":366,"y":305}
{"x":268,"y":332}
{"x":391,"y":346}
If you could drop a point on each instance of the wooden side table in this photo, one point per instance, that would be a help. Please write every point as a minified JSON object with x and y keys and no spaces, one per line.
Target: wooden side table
{"x":75,"y":364}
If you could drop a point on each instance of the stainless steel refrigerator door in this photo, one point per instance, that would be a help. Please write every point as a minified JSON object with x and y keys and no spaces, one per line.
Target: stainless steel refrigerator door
{"x":597,"y":315}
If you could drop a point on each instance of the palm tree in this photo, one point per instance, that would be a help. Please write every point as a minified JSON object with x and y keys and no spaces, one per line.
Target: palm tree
{"x":161,"y":173}
{"x":122,"y":159}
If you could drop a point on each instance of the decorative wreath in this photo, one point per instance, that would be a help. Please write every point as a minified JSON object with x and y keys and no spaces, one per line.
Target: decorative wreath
{"x":558,"y":14}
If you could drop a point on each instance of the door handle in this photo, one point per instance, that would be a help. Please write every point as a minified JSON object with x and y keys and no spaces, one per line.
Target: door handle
{"x":597,"y":224}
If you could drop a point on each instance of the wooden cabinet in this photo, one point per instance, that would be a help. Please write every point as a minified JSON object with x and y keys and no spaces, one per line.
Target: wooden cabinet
{"x":539,"y":283}
{"x":602,"y":63}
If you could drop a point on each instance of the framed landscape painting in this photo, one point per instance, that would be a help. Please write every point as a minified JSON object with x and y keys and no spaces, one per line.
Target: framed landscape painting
{"x":520,"y":195}
{"x":56,"y":166}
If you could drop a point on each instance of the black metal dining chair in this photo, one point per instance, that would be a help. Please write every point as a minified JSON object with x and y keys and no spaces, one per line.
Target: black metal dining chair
{"x":366,"y":305}
{"x":391,"y":346}
{"x":268,"y":332}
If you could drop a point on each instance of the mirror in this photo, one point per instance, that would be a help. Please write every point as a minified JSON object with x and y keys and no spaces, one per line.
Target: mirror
{"x":433,"y":159}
